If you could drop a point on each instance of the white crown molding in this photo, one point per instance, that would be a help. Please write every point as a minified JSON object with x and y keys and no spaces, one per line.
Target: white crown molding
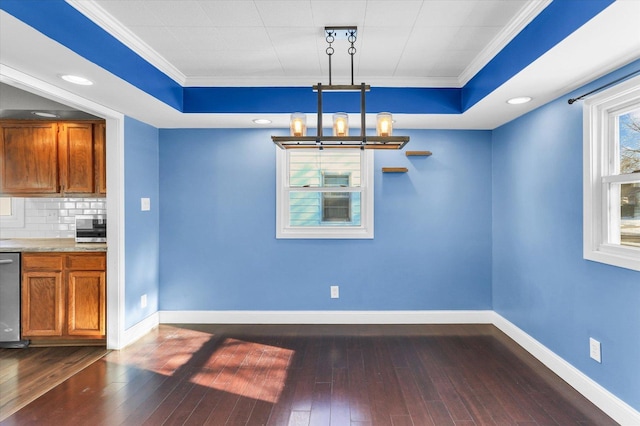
{"x":306,"y":81}
{"x":104,"y":20}
{"x":512,"y":29}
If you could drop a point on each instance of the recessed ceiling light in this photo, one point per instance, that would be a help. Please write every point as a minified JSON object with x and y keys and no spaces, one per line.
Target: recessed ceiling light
{"x":519,"y":100}
{"x":262,"y":121}
{"x":44,"y":114}
{"x":75,"y":79}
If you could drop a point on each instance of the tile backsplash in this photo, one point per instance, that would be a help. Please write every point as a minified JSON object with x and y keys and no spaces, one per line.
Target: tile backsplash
{"x":53,"y":217}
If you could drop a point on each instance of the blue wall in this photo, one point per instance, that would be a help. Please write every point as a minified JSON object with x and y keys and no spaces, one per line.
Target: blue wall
{"x":142,"y":229}
{"x":540,"y":281}
{"x":432,"y":246}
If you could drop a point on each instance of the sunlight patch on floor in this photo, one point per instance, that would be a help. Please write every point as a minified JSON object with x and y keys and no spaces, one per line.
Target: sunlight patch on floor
{"x":248,"y":369}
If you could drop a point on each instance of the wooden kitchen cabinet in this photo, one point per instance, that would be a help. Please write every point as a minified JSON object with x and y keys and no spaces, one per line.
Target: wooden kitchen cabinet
{"x":40,"y":158}
{"x":29,"y":158}
{"x":64,"y":298}
{"x":100,"y":148}
{"x":75,"y":159}
{"x":42,"y":303}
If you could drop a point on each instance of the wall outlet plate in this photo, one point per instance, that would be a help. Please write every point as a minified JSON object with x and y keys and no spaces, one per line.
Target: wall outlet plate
{"x":143,"y":301}
{"x":595,"y":350}
{"x":335,"y":292}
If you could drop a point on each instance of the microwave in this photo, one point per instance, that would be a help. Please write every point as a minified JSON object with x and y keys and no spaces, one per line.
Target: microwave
{"x":91,"y":228}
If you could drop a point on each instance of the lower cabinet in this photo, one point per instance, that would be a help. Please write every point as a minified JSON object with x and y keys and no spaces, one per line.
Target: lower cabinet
{"x":64,"y":298}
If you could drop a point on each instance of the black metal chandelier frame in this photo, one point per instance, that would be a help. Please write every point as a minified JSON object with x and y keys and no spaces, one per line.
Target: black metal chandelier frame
{"x":320,"y":140}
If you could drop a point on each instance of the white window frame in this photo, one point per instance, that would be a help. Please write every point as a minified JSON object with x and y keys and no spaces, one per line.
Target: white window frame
{"x":16,"y":219}
{"x":362,"y":231}
{"x":600,"y":215}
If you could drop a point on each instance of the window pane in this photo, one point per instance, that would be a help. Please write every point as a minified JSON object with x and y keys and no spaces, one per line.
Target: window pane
{"x":336,"y":179}
{"x":629,"y":141}
{"x":630,"y":214}
{"x":307,"y":167}
{"x":324,"y":208}
{"x":336,"y":207}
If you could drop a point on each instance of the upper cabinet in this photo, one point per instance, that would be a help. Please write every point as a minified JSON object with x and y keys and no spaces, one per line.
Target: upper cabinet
{"x":52,"y":158}
{"x":29,"y":158}
{"x":100,"y":150}
{"x":75,"y":158}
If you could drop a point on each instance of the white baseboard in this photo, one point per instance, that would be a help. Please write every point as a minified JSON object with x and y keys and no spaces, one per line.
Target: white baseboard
{"x":326,"y":317}
{"x":132,"y":334}
{"x":617,"y":409}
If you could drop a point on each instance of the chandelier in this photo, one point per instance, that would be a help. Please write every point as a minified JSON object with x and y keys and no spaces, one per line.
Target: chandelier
{"x":340,"y":137}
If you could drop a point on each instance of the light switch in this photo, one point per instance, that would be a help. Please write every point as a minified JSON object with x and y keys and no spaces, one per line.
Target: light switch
{"x":145,"y":204}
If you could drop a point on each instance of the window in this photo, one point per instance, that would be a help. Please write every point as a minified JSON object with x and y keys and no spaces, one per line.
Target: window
{"x":336,"y":206}
{"x":612,"y":176}
{"x":11,"y":212}
{"x":324,"y":193}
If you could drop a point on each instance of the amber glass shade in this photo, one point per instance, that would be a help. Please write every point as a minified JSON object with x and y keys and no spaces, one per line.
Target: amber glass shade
{"x":298,"y":124}
{"x":340,"y":124}
{"x":384,"y":124}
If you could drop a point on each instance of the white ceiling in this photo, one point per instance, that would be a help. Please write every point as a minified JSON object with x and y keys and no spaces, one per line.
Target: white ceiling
{"x":411,"y":43}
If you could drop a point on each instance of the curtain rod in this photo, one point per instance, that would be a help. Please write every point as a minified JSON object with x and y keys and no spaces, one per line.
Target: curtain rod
{"x":571,"y":101}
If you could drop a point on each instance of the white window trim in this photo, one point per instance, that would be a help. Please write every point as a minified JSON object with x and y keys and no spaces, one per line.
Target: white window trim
{"x":363,"y":231}
{"x":597,"y":127}
{"x":16,"y":220}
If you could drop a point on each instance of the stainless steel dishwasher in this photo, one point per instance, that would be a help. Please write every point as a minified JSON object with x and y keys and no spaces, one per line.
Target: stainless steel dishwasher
{"x":10,"y":301}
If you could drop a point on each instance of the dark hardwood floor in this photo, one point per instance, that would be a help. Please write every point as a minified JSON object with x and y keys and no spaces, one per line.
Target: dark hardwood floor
{"x":352,"y":375}
{"x":26,"y":374}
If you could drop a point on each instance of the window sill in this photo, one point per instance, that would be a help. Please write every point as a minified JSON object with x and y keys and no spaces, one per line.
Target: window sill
{"x":325,"y":233}
{"x":614,"y":255}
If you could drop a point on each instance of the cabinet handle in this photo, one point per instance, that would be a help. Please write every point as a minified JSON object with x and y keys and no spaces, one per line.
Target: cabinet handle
{"x":5,"y":261}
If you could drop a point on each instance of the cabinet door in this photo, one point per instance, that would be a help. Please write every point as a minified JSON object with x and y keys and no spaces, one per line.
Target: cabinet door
{"x":28,"y":158}
{"x":76,"y":160}
{"x":86,"y":304}
{"x":42,"y":303}
{"x":100,"y":152}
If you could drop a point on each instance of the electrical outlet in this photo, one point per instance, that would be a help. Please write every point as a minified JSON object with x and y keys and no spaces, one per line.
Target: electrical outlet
{"x":145,"y":204}
{"x":335,"y":292}
{"x":594,"y":350}
{"x":143,"y":301}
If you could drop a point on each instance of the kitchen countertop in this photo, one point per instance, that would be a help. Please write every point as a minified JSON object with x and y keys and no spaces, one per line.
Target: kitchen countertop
{"x":47,"y":244}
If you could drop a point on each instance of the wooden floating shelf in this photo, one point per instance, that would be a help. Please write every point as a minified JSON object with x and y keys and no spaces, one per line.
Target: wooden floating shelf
{"x":418,"y":153}
{"x":394,"y":170}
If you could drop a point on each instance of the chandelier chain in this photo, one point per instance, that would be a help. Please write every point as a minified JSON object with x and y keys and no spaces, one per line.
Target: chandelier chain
{"x":330,"y":38}
{"x":351,"y":38}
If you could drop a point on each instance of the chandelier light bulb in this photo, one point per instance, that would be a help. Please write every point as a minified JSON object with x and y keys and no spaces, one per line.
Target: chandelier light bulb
{"x":384,"y":124}
{"x":298,"y":124}
{"x":340,"y":124}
